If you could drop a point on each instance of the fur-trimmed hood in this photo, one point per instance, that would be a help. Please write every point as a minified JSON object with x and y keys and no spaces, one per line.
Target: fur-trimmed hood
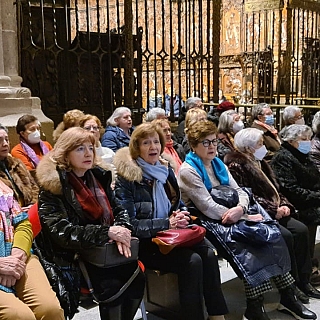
{"x":48,"y":176}
{"x":127,"y":168}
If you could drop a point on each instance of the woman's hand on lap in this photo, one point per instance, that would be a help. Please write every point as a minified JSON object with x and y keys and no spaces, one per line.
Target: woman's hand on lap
{"x":120,"y":234}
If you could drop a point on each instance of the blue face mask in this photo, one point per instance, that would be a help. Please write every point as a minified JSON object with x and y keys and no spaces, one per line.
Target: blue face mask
{"x":269,"y":120}
{"x":304,"y":146}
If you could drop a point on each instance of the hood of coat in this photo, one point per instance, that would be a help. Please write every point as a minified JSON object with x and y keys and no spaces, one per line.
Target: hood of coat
{"x":127,"y":167}
{"x":48,"y":176}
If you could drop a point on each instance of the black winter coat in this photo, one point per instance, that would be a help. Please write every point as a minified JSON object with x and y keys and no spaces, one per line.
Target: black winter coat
{"x":66,"y":229}
{"x":135,"y":194}
{"x":299,"y":181}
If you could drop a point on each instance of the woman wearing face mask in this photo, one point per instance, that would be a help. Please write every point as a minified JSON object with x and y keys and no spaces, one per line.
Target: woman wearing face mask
{"x":263,"y":119}
{"x":291,"y":115}
{"x":31,"y":148}
{"x":229,"y":124}
{"x":250,"y":170}
{"x":298,"y":177}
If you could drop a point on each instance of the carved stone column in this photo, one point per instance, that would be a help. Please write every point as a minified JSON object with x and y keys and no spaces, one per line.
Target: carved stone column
{"x":15,"y":100}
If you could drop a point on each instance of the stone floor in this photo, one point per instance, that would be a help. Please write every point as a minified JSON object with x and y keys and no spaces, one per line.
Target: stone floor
{"x":234,"y":294}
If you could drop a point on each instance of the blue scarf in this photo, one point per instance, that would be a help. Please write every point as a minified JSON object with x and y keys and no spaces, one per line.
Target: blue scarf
{"x":218,"y":166}
{"x":158,"y":174}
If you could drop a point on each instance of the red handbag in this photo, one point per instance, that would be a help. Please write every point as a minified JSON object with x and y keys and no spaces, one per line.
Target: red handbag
{"x":169,"y":239}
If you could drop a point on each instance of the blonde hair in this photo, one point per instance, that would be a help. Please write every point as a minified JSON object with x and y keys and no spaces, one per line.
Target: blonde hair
{"x":193,"y":116}
{"x":68,"y":141}
{"x":88,"y":117}
{"x":160,"y":122}
{"x":143,"y":131}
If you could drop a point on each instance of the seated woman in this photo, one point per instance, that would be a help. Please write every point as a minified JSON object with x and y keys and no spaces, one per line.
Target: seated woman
{"x":193,"y":116}
{"x":25,"y":292}
{"x":173,"y":151}
{"x":314,"y":154}
{"x":229,"y":124}
{"x":262,"y":118}
{"x":92,"y":123}
{"x":202,"y":171}
{"x":299,"y":177}
{"x":148,"y":189}
{"x":31,"y":148}
{"x":15,"y":174}
{"x":119,"y":129}
{"x":77,"y":210}
{"x":70,"y":119}
{"x":250,"y":170}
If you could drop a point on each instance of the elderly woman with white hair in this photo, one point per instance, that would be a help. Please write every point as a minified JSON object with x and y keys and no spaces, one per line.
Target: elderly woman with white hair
{"x":298,"y":177}
{"x":119,"y":129}
{"x":314,"y":154}
{"x":249,"y":169}
{"x":155,"y":113}
{"x":291,"y":115}
{"x":229,"y":124}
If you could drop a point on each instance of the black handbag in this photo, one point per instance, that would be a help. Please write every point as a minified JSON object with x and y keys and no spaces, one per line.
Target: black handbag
{"x":225,"y":196}
{"x":108,"y":255}
{"x":257,"y":233}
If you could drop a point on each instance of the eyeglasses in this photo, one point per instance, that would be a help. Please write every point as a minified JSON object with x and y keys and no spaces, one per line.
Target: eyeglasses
{"x":206,"y":143}
{"x":94,"y":128}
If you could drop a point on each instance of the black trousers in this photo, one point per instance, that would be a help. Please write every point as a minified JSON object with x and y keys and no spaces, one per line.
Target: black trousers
{"x":198,"y":276}
{"x":107,"y":281}
{"x":296,"y":236}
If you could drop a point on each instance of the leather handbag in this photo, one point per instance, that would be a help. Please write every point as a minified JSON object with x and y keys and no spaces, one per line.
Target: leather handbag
{"x":108,"y":255}
{"x":225,"y":196}
{"x":188,"y":237}
{"x":257,"y":233}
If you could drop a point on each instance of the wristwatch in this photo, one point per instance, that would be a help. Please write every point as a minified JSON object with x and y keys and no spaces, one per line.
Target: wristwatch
{"x":244,"y":208}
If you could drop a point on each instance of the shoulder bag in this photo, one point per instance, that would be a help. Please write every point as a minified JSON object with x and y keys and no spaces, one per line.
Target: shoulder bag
{"x":171,"y":238}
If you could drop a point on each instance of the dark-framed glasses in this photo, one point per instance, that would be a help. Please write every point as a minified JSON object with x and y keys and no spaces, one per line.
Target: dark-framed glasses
{"x":206,"y":143}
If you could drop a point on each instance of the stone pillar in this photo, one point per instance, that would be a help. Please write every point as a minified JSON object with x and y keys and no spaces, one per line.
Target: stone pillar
{"x":15,"y":100}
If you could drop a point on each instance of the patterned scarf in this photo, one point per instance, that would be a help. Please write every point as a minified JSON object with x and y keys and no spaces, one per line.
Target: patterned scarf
{"x":30,"y":152}
{"x":92,"y":198}
{"x":169,"y":149}
{"x":273,"y":130}
{"x":158,"y":174}
{"x":10,"y":216}
{"x":218,"y":166}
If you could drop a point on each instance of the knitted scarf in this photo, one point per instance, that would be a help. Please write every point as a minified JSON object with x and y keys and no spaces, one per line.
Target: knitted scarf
{"x":10,"y":216}
{"x":218,"y":166}
{"x":92,"y":198}
{"x":169,"y":149}
{"x":158,"y":174}
{"x":30,"y":152}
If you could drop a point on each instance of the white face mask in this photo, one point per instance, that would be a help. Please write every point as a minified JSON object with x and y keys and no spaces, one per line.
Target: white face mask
{"x":300,"y":121}
{"x":260,"y":153}
{"x":237,"y":126}
{"x":34,"y":137}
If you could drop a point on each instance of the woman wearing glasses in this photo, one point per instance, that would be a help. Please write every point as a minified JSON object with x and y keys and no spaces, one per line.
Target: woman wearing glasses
{"x":92,"y":123}
{"x":256,"y":265}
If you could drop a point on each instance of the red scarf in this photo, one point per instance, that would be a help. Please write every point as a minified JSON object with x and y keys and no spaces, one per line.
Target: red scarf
{"x":92,"y":198}
{"x":169,"y":149}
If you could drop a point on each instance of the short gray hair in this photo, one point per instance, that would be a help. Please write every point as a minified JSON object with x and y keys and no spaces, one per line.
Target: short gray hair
{"x":154,"y":113}
{"x":247,"y":139}
{"x":257,"y":110}
{"x":117,"y":113}
{"x":226,"y":120}
{"x":2,"y":127}
{"x":289,"y":112}
{"x":191,"y":102}
{"x":316,"y":123}
{"x":294,"y":131}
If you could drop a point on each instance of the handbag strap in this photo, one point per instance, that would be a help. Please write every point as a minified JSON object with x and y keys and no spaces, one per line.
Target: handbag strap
{"x":90,"y":287}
